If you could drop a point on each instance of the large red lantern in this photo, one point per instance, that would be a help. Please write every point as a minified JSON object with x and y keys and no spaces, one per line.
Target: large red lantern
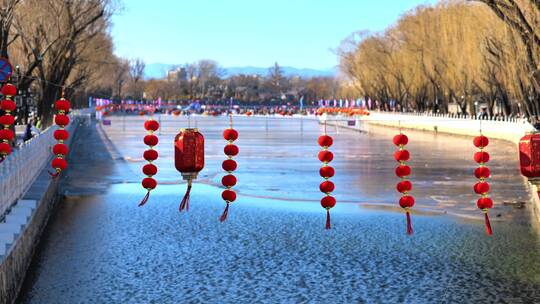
{"x":484,"y":203}
{"x":188,"y":159}
{"x":327,"y":187}
{"x":7,"y":120}
{"x":403,"y":171}
{"x":150,"y":155}
{"x":229,"y":180}
{"x":60,"y":150}
{"x":529,"y":156}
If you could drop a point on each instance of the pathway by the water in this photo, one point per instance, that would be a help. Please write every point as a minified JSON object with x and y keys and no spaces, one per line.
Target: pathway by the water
{"x":101,"y":248}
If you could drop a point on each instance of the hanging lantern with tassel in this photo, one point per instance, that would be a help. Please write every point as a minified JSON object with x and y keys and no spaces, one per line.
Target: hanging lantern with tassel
{"x":150,"y":155}
{"x":229,"y":180}
{"x":403,"y":171}
{"x":7,"y":120}
{"x":327,"y":187}
{"x":483,"y":173}
{"x":60,"y":150}
{"x":188,"y":159}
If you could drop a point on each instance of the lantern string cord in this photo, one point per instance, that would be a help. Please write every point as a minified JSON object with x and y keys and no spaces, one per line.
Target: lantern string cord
{"x":184,"y":204}
{"x":409,"y":223}
{"x":223,"y":216}
{"x":145,"y":199}
{"x":480,"y":127}
{"x":489,"y":231}
{"x":322,"y":121}
{"x":53,"y":175}
{"x":230,"y":121}
{"x":328,"y":226}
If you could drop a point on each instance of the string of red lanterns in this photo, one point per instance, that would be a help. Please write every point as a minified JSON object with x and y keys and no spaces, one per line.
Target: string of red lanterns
{"x":482,"y":187}
{"x":60,"y":150}
{"x":403,"y":171}
{"x":7,"y":120}
{"x":229,"y":165}
{"x":188,"y":159}
{"x":327,"y":187}
{"x":150,"y":155}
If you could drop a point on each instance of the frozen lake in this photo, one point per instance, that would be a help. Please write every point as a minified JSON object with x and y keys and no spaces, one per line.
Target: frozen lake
{"x":101,"y":248}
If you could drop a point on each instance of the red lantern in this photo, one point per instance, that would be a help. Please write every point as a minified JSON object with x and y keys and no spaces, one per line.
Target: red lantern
{"x":9,"y":90}
{"x":7,"y":120}
{"x":150,"y":155}
{"x":61,"y":135}
{"x":188,"y":158}
{"x":60,"y":150}
{"x":529,"y":157}
{"x":229,"y":165}
{"x":327,"y":187}
{"x":482,"y":173}
{"x":403,"y":171}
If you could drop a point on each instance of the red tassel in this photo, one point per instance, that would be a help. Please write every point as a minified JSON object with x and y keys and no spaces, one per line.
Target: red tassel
{"x":184,"y":205}
{"x":489,"y":231}
{"x":53,"y":175}
{"x":328,"y":219}
{"x":225,"y":213}
{"x":409,"y":223}
{"x":145,"y":199}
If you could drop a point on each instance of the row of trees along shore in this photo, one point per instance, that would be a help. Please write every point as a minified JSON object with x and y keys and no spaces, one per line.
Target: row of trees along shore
{"x":452,"y":54}
{"x":55,"y":44}
{"x":455,"y":53}
{"x":206,"y":80}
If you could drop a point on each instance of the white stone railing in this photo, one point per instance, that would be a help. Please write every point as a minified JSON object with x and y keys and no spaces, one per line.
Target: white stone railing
{"x":511,"y":129}
{"x":19,"y":170}
{"x":453,"y":116}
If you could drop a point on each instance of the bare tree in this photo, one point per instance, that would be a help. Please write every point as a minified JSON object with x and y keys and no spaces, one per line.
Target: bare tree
{"x":136,"y":74}
{"x":53,"y":42}
{"x":120,"y":76}
{"x":7,"y":13}
{"x":276,"y":80}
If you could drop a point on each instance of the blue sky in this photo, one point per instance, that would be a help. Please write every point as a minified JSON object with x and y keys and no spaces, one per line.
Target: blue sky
{"x":299,"y":33}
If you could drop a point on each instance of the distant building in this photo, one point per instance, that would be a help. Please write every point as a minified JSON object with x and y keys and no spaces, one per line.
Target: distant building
{"x":177,"y":74}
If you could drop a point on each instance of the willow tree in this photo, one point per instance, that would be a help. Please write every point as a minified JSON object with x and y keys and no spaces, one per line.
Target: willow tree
{"x":454,"y":53}
{"x":522,"y":17}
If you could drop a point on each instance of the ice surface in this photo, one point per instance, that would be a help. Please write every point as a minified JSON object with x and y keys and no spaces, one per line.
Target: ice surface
{"x":102,"y":248}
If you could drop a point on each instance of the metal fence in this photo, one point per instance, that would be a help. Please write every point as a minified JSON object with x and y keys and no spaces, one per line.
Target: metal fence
{"x":19,"y":170}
